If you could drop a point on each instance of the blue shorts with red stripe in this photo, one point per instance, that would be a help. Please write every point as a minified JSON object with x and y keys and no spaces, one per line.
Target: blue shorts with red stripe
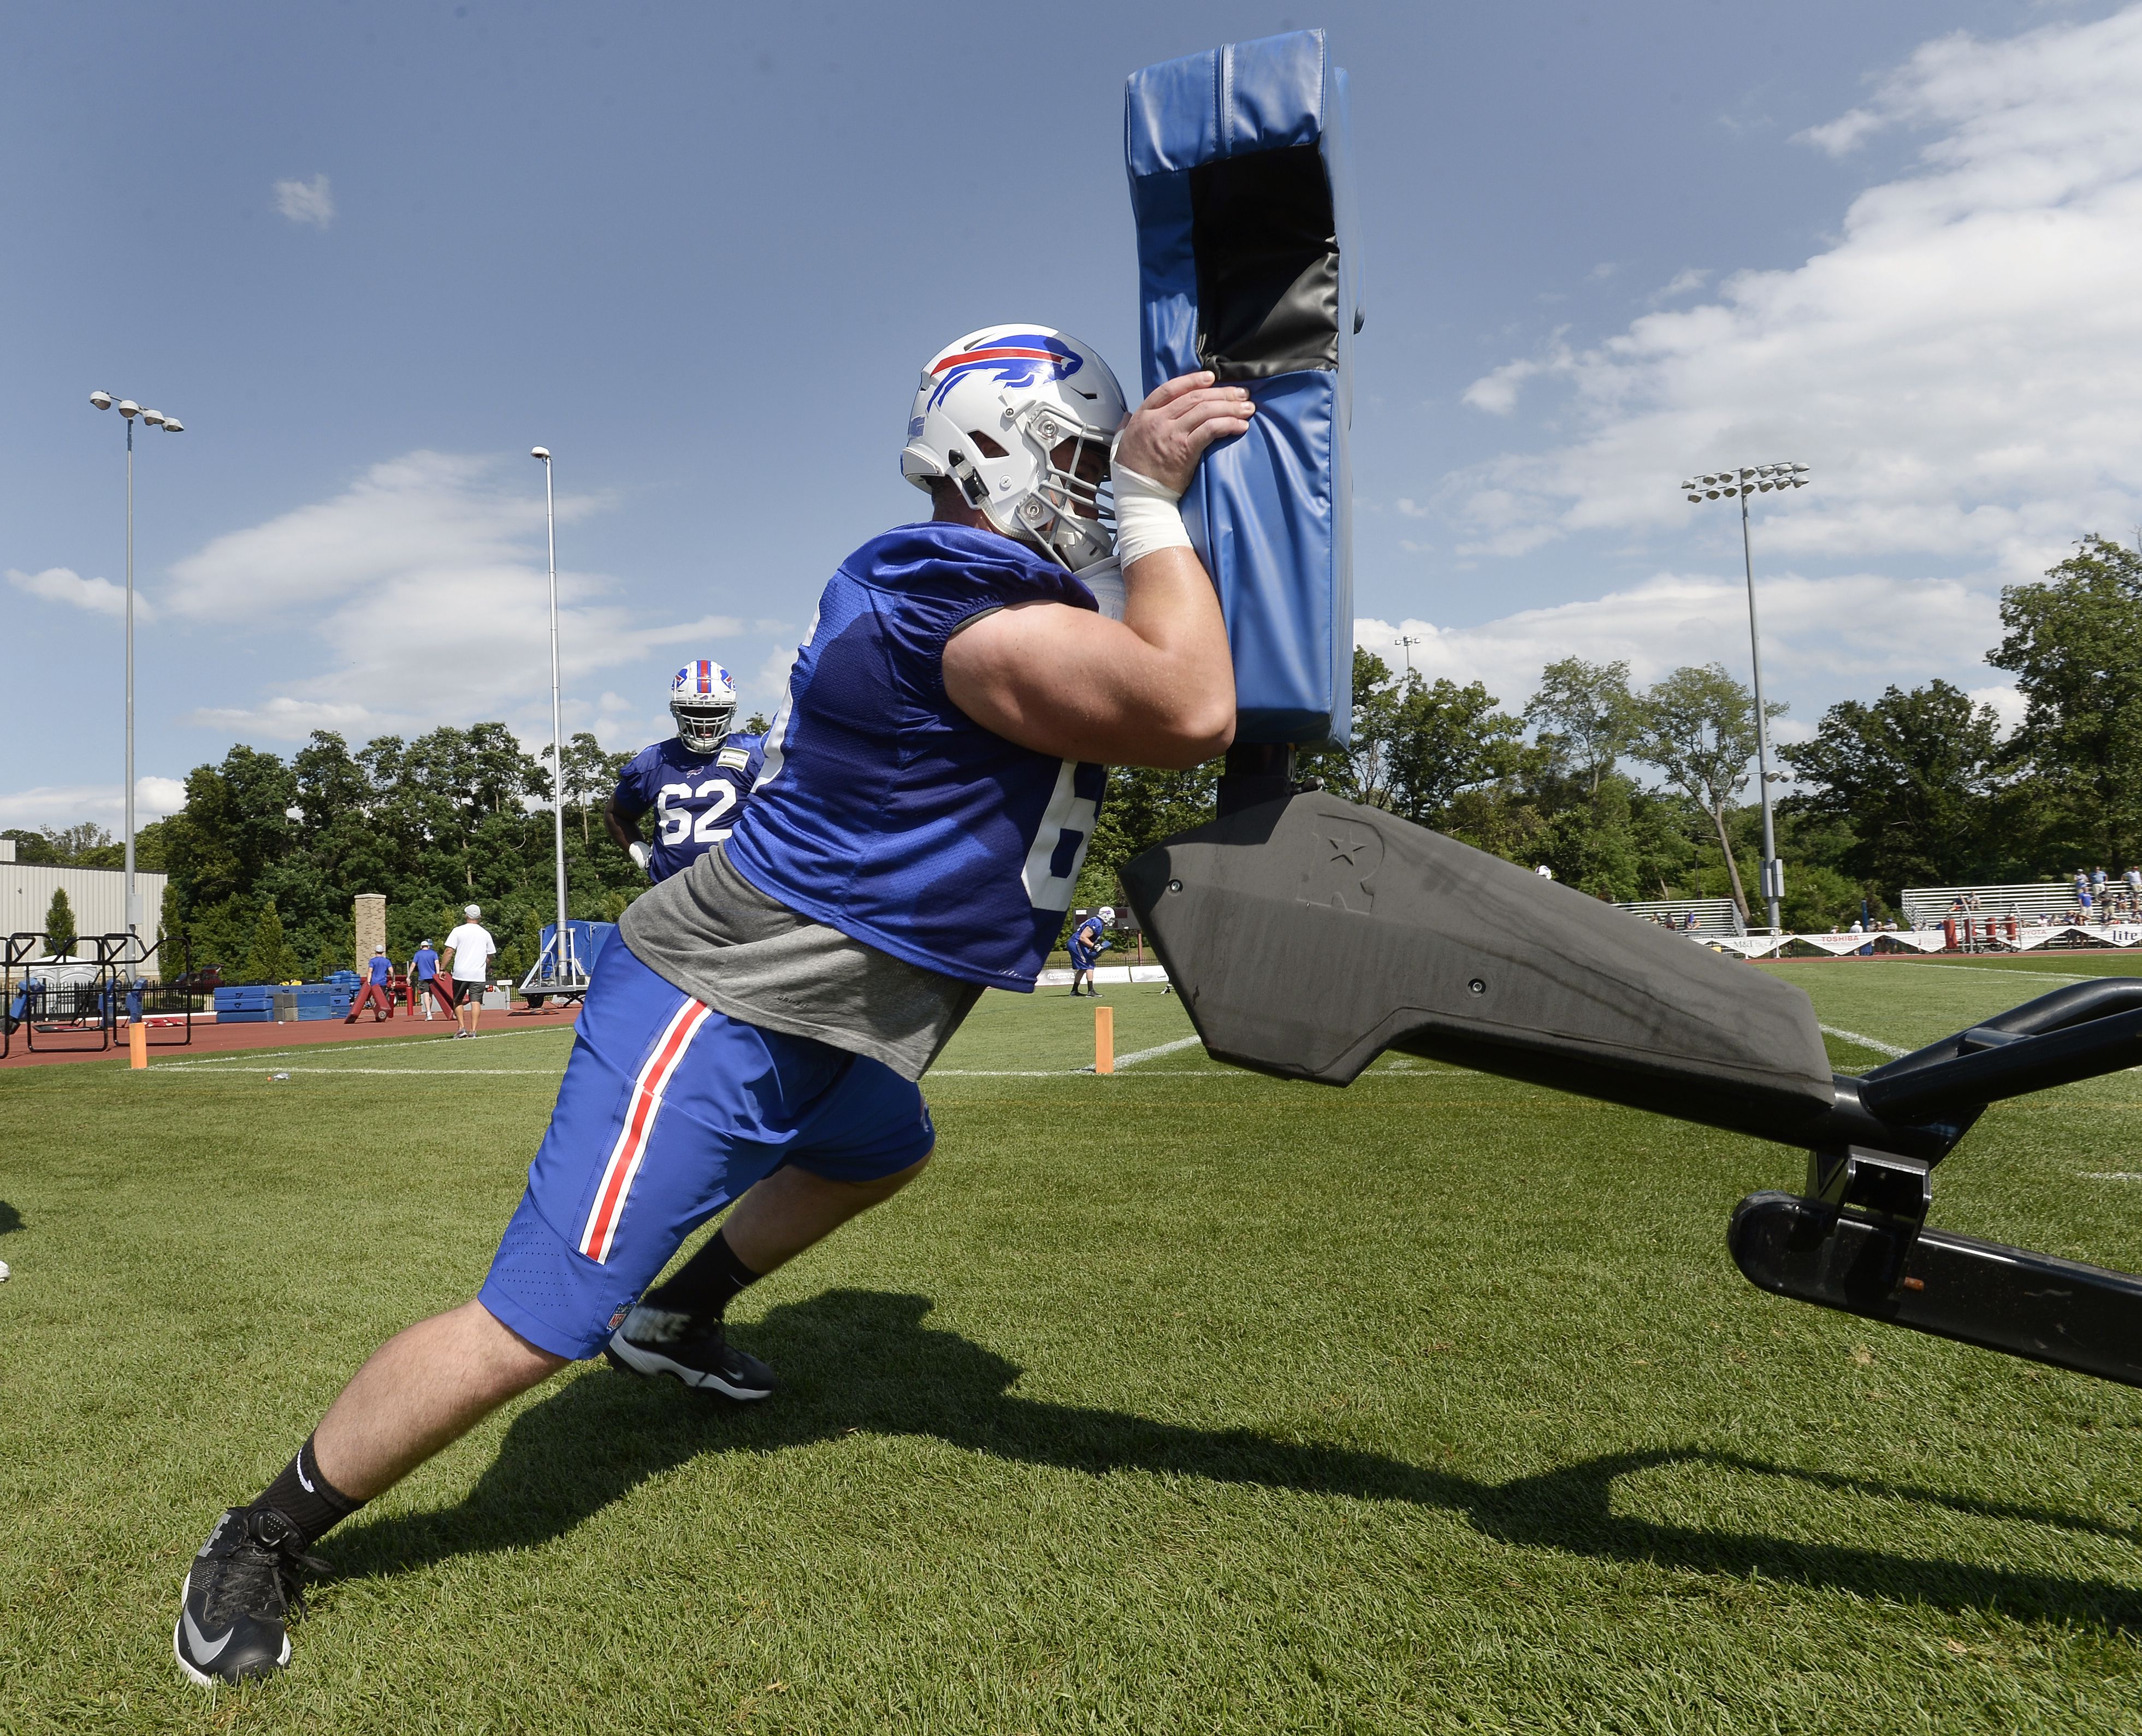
{"x":668,"y":1111}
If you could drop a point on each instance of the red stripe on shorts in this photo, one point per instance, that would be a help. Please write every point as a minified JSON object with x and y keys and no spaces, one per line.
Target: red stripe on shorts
{"x":631,"y":1146}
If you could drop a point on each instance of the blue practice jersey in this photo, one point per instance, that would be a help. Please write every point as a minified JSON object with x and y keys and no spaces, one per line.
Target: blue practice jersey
{"x":885,"y":810}
{"x":696,"y":797}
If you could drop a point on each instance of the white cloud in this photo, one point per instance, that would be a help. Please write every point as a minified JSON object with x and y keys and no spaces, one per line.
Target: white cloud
{"x":424,"y":584}
{"x":1684,"y":282}
{"x":1845,"y":134}
{"x":70,"y":804}
{"x":306,"y":201}
{"x":63,"y":584}
{"x":1960,"y":368}
{"x":2008,"y":704}
{"x":1496,"y":391}
{"x":1852,"y":633}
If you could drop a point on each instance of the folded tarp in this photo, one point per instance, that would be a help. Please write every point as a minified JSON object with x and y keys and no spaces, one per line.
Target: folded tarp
{"x":1241,"y":185}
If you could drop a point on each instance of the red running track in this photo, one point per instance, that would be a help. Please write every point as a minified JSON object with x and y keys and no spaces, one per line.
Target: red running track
{"x":214,"y":1039}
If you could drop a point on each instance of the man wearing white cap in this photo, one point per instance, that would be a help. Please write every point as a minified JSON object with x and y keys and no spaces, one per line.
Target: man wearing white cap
{"x":468,"y":954}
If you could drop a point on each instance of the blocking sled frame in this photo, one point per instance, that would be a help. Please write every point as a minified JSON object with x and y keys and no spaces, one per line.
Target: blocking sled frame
{"x":1309,"y":934}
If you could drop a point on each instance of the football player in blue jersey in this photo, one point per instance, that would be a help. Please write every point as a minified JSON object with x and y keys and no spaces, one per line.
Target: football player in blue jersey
{"x":754,"y":1039}
{"x":696,"y":782}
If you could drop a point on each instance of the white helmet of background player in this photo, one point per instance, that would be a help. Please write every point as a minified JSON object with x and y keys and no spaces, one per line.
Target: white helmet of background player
{"x":702,"y":699}
{"x":992,"y":409}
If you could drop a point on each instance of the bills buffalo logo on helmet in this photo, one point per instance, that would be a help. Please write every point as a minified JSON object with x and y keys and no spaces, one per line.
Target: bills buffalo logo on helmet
{"x":1018,"y":358}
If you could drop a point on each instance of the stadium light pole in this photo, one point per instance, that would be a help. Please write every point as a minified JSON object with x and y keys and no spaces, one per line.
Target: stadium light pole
{"x":1740,"y":484}
{"x":1406,"y":643}
{"x":128,"y":409}
{"x":564,"y":942}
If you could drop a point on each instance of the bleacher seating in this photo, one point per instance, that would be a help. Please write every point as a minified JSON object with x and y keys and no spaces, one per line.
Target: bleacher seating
{"x":2042,"y":901}
{"x":1713,"y":915}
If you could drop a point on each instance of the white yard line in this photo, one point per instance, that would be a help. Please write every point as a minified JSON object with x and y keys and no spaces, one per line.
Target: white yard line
{"x":2109,"y":1176}
{"x":2049,"y":976}
{"x":1875,"y":1043}
{"x":344,"y":1048}
{"x":1163,"y":1048}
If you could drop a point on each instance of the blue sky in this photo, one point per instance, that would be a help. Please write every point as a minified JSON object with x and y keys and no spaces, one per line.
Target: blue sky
{"x":371,"y":253}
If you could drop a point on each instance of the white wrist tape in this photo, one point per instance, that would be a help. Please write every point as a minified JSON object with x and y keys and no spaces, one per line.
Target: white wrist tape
{"x":1146,"y":517}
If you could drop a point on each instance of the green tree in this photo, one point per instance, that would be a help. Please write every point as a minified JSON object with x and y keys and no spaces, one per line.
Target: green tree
{"x":1416,"y":748}
{"x":2074,"y":643}
{"x":59,"y":925}
{"x":31,"y":848}
{"x":1584,"y":715}
{"x":1916,"y":777}
{"x":272,"y":958}
{"x":590,"y":774}
{"x":1361,"y":770}
{"x":1699,"y":729}
{"x":1448,"y":740}
{"x":235,"y":825}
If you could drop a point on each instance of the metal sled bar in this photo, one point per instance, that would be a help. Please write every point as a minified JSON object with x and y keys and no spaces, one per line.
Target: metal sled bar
{"x":2019,"y":1065}
{"x":2057,"y":1311}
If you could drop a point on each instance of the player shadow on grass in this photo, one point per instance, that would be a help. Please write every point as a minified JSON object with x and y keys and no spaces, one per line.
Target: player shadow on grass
{"x":862,"y":1362}
{"x":10,"y":1219}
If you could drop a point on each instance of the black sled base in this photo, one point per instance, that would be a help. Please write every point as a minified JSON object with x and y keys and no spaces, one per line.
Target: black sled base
{"x":1307,"y":935}
{"x":2074,"y":1316}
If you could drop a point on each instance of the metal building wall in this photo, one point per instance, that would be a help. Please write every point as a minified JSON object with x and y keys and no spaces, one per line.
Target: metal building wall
{"x":98,"y":895}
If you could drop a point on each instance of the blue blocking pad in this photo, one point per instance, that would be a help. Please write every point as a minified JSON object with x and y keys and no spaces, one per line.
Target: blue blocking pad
{"x":1241,"y":183}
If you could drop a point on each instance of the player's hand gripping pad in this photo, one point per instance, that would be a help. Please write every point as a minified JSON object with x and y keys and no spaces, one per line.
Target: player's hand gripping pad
{"x":1306,"y":936}
{"x":1242,"y":187}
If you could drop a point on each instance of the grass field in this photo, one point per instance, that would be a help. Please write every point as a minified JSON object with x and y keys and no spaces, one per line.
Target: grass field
{"x":1183,"y":1400}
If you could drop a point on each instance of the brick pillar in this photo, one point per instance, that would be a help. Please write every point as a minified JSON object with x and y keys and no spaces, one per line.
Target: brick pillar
{"x":368,"y":916}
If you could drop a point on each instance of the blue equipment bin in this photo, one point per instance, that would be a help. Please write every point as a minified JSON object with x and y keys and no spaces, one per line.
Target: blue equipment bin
{"x":1243,"y":189}
{"x":589,"y":940}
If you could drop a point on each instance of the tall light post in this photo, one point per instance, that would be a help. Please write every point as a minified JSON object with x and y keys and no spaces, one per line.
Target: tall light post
{"x":1406,"y":643}
{"x":563,"y":963}
{"x":1729,"y":485}
{"x":170,"y":425}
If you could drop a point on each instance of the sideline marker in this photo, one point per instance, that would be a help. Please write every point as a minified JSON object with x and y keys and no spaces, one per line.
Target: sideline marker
{"x":137,"y":1045}
{"x":1104,"y":1039}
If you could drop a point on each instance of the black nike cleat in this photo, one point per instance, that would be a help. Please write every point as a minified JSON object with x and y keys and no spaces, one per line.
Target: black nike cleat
{"x":659,"y":1341}
{"x":239,"y":1592}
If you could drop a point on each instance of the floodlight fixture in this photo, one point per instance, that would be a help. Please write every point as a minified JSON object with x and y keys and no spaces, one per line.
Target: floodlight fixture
{"x":129,"y":409}
{"x":153,"y":418}
{"x":542,"y":453}
{"x":172,"y":425}
{"x":102,"y":400}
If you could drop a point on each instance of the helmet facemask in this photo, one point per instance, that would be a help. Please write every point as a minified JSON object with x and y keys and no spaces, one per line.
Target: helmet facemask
{"x":702,"y":724}
{"x":1069,"y":510}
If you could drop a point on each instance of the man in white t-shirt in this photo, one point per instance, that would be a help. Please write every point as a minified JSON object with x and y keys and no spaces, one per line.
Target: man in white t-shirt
{"x":468,"y":954}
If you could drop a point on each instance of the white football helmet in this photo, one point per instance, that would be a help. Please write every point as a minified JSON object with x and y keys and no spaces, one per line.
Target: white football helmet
{"x":994,"y":409}
{"x":702,"y":699}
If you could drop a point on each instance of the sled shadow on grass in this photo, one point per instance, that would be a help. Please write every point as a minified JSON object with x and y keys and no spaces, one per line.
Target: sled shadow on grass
{"x":863,"y":1362}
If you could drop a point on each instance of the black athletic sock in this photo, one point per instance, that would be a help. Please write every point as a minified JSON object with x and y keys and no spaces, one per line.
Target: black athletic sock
{"x":706,"y":1283}
{"x":307,"y":1499}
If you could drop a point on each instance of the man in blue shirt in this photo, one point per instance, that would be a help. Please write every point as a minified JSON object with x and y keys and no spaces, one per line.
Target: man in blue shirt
{"x":379,"y":972}
{"x":754,"y":1037}
{"x":424,"y":969}
{"x":696,"y":782}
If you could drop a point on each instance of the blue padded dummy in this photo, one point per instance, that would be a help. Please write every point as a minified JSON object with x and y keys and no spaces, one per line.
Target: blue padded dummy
{"x":1242,"y":184}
